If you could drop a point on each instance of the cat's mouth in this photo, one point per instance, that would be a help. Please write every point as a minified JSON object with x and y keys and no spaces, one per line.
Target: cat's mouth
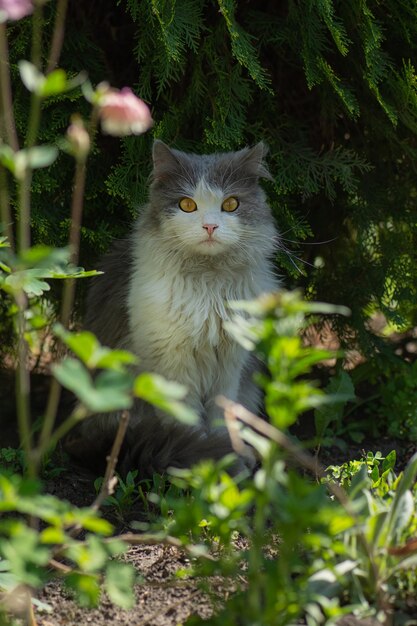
{"x":210,"y":245}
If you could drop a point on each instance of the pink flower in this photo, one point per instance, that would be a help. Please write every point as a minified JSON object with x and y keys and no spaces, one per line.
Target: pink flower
{"x":122,"y":113}
{"x":15,"y":9}
{"x":78,"y":138}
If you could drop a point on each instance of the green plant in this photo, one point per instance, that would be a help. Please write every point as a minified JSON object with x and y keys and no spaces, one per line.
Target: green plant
{"x":27,"y":552}
{"x":398,"y":405}
{"x":380,"y":471}
{"x":312,"y":550}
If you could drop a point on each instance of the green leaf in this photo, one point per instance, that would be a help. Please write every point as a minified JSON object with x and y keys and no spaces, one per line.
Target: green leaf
{"x":86,"y":587}
{"x":339,"y":391}
{"x":34,"y":158}
{"x":28,"y":280}
{"x":7,"y":158}
{"x":119,"y":581}
{"x":41,"y":156}
{"x":85,"y":345}
{"x":57,"y":83}
{"x":31,"y":77}
{"x":165,"y":395}
{"x":110,"y":391}
{"x":389,"y":461}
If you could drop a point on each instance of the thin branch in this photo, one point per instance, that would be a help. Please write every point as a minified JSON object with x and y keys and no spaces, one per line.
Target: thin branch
{"x":58,"y":35}
{"x":5,"y":209}
{"x":37,"y":24}
{"x":74,"y":238}
{"x":159,"y":539}
{"x":68,"y":295}
{"x":107,"y":487}
{"x":6,"y":91}
{"x":23,"y":386}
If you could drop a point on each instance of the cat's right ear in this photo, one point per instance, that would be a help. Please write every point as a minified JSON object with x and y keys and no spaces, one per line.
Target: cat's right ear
{"x":164,"y":160}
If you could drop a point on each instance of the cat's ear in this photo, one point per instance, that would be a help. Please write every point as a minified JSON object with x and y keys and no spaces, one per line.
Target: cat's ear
{"x":164,"y":160}
{"x":252,"y":160}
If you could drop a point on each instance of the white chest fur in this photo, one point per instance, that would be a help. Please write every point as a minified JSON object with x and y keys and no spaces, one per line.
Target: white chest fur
{"x":176,"y":321}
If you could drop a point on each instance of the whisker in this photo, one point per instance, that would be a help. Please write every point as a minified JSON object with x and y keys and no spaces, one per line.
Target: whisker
{"x":310,"y":243}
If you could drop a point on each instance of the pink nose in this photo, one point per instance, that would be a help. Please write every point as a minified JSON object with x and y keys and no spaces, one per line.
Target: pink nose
{"x":210,"y":228}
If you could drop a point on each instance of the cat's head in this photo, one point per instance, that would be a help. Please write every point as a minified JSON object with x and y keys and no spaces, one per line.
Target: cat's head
{"x":211,"y":204}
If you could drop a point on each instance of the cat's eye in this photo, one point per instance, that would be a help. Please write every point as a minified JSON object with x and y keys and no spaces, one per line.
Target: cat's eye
{"x":230,"y":204}
{"x":188,"y":205}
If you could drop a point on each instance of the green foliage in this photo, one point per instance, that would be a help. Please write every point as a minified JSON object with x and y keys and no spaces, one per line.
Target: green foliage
{"x":379,"y":469}
{"x":313,"y":551}
{"x":398,"y":402}
{"x":331,"y":88}
{"x":26,"y":552}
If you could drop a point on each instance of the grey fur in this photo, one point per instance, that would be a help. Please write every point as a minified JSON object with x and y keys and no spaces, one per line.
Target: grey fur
{"x":154,"y":441}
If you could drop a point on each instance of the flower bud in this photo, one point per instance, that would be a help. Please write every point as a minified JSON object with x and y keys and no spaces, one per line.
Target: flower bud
{"x":15,"y":9}
{"x":122,"y":113}
{"x":78,"y":138}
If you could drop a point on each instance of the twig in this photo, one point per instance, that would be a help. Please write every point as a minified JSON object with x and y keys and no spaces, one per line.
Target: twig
{"x":58,"y":35}
{"x":156,"y":539}
{"x":234,"y":411}
{"x":6,"y":91}
{"x":74,"y":238}
{"x":37,"y":24}
{"x":107,"y":487}
{"x":5,"y":210}
{"x":23,"y":386}
{"x":68,"y":293}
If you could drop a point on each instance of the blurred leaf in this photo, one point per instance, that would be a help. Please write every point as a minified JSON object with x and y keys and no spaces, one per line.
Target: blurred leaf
{"x":339,"y":391}
{"x":165,"y":395}
{"x":28,"y":280}
{"x":40,"y":156}
{"x":86,"y":588}
{"x":109,"y":391}
{"x":53,"y":84}
{"x":87,"y":347}
{"x":31,"y":77}
{"x":119,"y":581}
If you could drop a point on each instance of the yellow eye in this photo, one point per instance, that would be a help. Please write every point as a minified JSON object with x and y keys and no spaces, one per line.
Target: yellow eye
{"x":230,"y":204}
{"x":188,"y":205}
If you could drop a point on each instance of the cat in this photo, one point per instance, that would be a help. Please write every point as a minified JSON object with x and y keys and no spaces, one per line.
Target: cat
{"x":205,"y":238}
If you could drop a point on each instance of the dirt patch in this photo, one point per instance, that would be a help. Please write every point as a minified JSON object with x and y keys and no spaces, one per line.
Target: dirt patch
{"x":161,"y":599}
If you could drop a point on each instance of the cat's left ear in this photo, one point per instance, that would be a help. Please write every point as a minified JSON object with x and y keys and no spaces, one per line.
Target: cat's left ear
{"x":252,"y":160}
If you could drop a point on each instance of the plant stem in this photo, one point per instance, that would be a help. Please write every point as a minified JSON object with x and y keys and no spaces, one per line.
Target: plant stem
{"x":5,"y":210}
{"x":23,"y":386}
{"x":58,"y":35}
{"x":36,"y":58}
{"x":34,"y":120}
{"x":23,"y":234}
{"x":37,"y":23}
{"x":23,"y":375}
{"x":107,"y":486}
{"x":24,"y":182}
{"x":74,"y":238}
{"x":67,"y":296}
{"x":6,"y":91}
{"x":76,"y":416}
